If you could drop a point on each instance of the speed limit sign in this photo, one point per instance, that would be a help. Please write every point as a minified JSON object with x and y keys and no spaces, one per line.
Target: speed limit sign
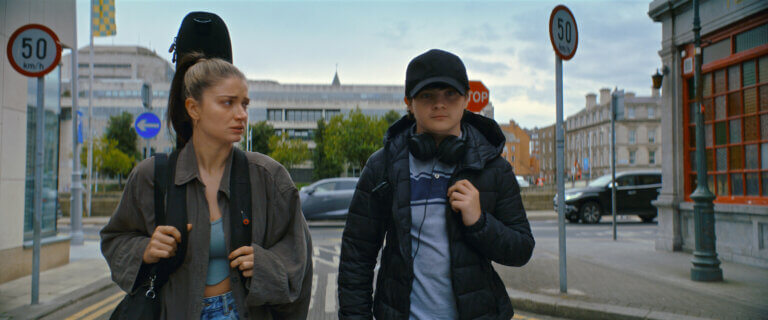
{"x":563,"y":32}
{"x":34,"y":50}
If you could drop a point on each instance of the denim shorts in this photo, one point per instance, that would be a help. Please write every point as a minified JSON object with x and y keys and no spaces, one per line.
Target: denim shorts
{"x":221,"y":307}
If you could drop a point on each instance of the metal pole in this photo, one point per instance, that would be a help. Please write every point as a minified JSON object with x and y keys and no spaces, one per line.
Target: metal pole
{"x":37,"y":217}
{"x":90,"y":116}
{"x":76,"y":205}
{"x":614,"y":103}
{"x":706,"y":266}
{"x":560,"y":173}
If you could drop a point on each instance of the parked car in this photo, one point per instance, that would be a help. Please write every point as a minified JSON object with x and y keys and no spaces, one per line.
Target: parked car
{"x":327,"y":198}
{"x":522,"y":183}
{"x":634,"y":192}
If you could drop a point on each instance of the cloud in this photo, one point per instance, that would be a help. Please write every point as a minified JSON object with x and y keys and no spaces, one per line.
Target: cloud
{"x":394,"y":34}
{"x":484,"y":32}
{"x":482,"y":50}
{"x":486,"y":67}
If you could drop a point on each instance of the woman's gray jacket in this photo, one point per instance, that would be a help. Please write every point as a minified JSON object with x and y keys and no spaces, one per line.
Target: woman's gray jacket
{"x":282,"y":272}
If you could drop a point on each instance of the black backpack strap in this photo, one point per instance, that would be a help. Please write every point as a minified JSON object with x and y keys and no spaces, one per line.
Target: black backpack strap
{"x":176,"y":216}
{"x":161,"y":184}
{"x":240,"y":202}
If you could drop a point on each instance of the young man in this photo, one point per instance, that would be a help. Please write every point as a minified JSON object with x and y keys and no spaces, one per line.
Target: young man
{"x":447,"y":204}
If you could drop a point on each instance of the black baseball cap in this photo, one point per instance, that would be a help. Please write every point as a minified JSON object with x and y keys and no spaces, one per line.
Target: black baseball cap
{"x":203,"y":32}
{"x":435,"y":66}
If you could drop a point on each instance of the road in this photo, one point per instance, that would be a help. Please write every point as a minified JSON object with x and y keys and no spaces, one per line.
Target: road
{"x":326,"y":240}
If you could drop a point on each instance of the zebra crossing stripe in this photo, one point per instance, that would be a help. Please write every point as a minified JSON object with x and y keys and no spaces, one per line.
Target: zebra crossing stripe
{"x":330,"y":293}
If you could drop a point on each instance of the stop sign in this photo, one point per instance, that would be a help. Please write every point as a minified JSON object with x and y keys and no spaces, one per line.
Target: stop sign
{"x":478,"y":96}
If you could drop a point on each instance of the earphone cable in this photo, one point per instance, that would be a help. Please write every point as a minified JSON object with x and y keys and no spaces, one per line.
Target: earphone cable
{"x":426,"y":204}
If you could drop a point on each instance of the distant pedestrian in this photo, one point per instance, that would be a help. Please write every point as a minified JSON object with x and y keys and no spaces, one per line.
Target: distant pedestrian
{"x":446,"y":203}
{"x":210,"y":275}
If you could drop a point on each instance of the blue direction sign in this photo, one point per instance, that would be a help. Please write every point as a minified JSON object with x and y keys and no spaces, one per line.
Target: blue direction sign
{"x":147,"y":125}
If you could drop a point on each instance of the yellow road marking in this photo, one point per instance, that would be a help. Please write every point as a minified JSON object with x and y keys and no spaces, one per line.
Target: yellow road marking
{"x":102,"y":311}
{"x":95,"y":306}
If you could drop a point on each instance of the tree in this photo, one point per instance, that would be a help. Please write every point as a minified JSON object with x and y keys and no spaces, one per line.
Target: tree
{"x":119,"y":129}
{"x":288,"y":152}
{"x":108,"y":159}
{"x":353,"y":139}
{"x":391,"y":116}
{"x":261,"y":134}
{"x":325,"y":166}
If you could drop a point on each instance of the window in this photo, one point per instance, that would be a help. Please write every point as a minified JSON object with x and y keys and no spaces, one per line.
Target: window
{"x":625,"y":181}
{"x":303,"y":134}
{"x":651,"y":157}
{"x":346,"y":185}
{"x":735,"y":100}
{"x":647,"y":179}
{"x":651,"y":112}
{"x":331,"y":113}
{"x":632,"y":136}
{"x":652,"y":136}
{"x":50,"y":153}
{"x":275,"y":114}
{"x":325,"y":187}
{"x":632,"y":155}
{"x":752,"y":38}
{"x":630,"y":112}
{"x":298,"y":115}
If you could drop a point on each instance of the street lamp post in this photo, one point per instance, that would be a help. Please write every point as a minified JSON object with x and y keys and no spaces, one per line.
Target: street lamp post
{"x":706,"y":266}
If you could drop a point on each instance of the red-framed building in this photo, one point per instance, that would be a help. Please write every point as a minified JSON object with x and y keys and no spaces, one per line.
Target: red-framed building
{"x":735,"y":103}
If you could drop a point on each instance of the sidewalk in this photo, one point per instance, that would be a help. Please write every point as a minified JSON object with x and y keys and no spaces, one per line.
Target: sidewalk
{"x":628,"y":279}
{"x":625,"y":279}
{"x":87,"y":273}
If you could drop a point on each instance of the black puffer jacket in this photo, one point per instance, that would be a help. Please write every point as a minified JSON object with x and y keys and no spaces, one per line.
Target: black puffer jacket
{"x":502,"y":234}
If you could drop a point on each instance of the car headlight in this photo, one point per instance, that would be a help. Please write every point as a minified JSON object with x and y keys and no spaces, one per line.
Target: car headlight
{"x":572,"y":196}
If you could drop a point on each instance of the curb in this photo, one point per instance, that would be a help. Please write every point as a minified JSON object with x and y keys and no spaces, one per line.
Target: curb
{"x":574,"y":309}
{"x":46,"y":308}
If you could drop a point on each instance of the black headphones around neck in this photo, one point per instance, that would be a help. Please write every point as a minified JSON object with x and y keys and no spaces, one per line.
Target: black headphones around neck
{"x":424,"y":147}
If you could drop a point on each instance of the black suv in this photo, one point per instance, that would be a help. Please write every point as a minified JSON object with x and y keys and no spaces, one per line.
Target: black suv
{"x":634,"y":192}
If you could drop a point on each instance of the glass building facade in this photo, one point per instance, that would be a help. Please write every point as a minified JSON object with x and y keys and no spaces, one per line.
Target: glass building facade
{"x":50,"y":152}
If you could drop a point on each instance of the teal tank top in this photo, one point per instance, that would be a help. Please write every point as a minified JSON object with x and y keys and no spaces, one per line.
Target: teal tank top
{"x":218,"y":264}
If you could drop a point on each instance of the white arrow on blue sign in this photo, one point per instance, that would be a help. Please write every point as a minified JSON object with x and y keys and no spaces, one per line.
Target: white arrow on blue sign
{"x":147,"y":125}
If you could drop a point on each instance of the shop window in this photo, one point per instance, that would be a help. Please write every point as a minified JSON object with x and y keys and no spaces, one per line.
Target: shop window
{"x":735,"y":100}
{"x":752,"y":38}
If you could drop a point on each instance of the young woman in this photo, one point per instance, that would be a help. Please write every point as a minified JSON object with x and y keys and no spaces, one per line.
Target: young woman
{"x":207,"y":108}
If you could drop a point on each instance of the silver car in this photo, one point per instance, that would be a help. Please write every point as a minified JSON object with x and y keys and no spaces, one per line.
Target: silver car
{"x":327,"y":198}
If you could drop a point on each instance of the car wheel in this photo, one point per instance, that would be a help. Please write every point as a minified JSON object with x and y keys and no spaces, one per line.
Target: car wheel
{"x":573,"y":219}
{"x":647,"y":219}
{"x":590,"y":212}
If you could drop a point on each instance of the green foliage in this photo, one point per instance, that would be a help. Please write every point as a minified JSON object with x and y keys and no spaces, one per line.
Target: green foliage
{"x":324,"y":166}
{"x":288,"y":152}
{"x":108,"y":159}
{"x":353,"y":139}
{"x":261,"y":134}
{"x":391,"y":116}
{"x":119,"y":129}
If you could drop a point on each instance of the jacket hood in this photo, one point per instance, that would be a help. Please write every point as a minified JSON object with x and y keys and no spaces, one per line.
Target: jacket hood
{"x":483,"y":136}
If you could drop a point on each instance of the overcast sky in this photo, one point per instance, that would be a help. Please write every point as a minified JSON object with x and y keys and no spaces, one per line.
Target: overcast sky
{"x":505,"y":44}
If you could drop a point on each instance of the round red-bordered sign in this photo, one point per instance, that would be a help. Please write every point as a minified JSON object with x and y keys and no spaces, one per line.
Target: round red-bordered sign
{"x":563,"y":32}
{"x":29,"y":50}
